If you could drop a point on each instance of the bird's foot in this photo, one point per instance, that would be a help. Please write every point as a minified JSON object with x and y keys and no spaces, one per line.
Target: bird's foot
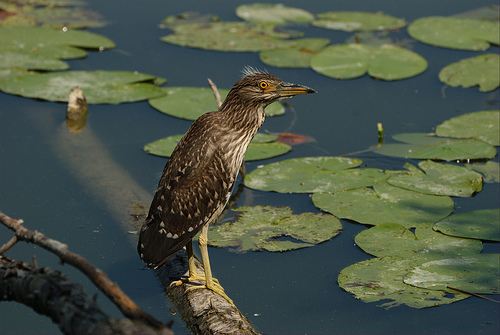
{"x":191,"y":278}
{"x":215,"y":287}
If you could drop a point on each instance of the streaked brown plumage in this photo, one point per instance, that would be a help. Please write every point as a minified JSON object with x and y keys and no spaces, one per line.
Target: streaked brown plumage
{"x":200,"y":175}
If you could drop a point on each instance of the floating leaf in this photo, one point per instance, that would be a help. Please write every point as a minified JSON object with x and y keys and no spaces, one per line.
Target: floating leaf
{"x":424,"y":146}
{"x":489,"y":13}
{"x":439,"y":179}
{"x":272,"y":13}
{"x":34,"y":37}
{"x":475,"y":274}
{"x":385,"y":203}
{"x":307,"y":175}
{"x":190,"y":103}
{"x":390,"y":239}
{"x":261,"y":147}
{"x":482,"y":71}
{"x":481,"y":224}
{"x":455,"y":33}
{"x":484,"y":125}
{"x":490,"y":171}
{"x":386,"y":62}
{"x":357,"y":21}
{"x":297,"y":56}
{"x":380,"y":279}
{"x":228,"y":36}
{"x":100,"y":87}
{"x":260,"y":227}
{"x":22,"y":60}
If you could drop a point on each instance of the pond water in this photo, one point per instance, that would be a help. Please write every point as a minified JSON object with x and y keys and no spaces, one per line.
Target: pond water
{"x":281,"y":293}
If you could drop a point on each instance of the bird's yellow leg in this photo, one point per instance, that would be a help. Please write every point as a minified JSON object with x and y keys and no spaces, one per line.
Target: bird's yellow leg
{"x":210,"y":282}
{"x":193,"y":274}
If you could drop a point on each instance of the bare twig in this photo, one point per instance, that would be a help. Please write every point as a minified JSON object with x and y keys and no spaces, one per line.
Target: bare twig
{"x":474,"y":294}
{"x":216,"y":92}
{"x":8,"y":245}
{"x":99,"y":278}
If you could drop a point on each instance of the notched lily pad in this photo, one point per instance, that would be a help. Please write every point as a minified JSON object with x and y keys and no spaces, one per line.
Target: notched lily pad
{"x":424,"y":146}
{"x":439,"y":179}
{"x":297,"y":56}
{"x":228,"y":36}
{"x":385,"y":203}
{"x":490,"y":171}
{"x":263,"y":146}
{"x":261,"y":227}
{"x":273,"y":13}
{"x":381,"y":279}
{"x":391,"y":239}
{"x":386,"y":62}
{"x":190,"y":103}
{"x":482,"y":71}
{"x":100,"y":87}
{"x":484,"y":125}
{"x":357,"y":21}
{"x":482,"y":224}
{"x":455,"y":33}
{"x":307,"y":175}
{"x":10,"y":59}
{"x":476,"y":274}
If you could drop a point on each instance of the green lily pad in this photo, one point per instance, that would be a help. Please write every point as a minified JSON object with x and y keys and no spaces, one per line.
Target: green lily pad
{"x":110,"y":87}
{"x":380,"y":279}
{"x":439,"y":179}
{"x":385,"y":203}
{"x":482,"y":224}
{"x":357,"y":21}
{"x":272,"y":13}
{"x":228,"y":36}
{"x":391,"y":239}
{"x":22,"y":60}
{"x":386,"y":62}
{"x":476,"y":274}
{"x":490,"y":171}
{"x":34,"y":37}
{"x":297,"y":56}
{"x":484,"y":125}
{"x":455,"y":33}
{"x":306,"y":175}
{"x":190,"y":103}
{"x":482,"y":71}
{"x":261,"y":147}
{"x":424,"y":146}
{"x":260,"y":227}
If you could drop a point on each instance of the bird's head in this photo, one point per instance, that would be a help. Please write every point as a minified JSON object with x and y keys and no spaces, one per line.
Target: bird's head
{"x":259,"y":89}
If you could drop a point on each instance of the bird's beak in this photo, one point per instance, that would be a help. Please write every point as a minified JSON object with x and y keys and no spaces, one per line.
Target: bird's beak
{"x":288,"y":90}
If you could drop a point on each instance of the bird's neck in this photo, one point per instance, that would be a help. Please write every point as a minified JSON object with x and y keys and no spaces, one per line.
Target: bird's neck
{"x":247,"y":118}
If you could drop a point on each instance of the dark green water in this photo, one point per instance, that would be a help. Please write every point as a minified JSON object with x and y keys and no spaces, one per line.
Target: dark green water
{"x":289,"y":293}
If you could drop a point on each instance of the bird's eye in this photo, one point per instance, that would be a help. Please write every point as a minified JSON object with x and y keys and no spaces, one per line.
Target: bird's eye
{"x":263,"y":84}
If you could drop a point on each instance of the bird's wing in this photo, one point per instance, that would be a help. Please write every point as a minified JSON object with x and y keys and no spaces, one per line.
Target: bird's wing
{"x":194,"y":189}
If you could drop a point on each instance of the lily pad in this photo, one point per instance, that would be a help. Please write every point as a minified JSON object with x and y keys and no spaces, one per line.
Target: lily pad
{"x":391,"y":239}
{"x":482,"y":224}
{"x":307,"y":175}
{"x":380,"y":279}
{"x":482,"y":71}
{"x":357,"y":21}
{"x":228,"y":36}
{"x":260,"y":227}
{"x":424,"y":146}
{"x":273,"y":13}
{"x":110,"y":87}
{"x":190,"y":103}
{"x":22,"y":60}
{"x":476,"y":274}
{"x":439,"y":179}
{"x":490,"y":171}
{"x":297,"y":56}
{"x":261,"y":147}
{"x":455,"y":33}
{"x":386,"y":62}
{"x":484,"y":125}
{"x":34,"y":37}
{"x":385,"y":203}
